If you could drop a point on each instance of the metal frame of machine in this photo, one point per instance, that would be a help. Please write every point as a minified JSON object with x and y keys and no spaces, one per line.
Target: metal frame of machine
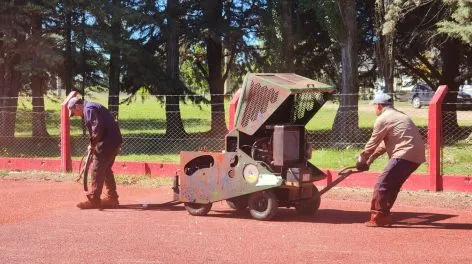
{"x":265,"y":163}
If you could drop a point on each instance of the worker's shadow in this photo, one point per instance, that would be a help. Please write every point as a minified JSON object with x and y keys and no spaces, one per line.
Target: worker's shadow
{"x":169,"y":206}
{"x":400,"y":219}
{"x":332,"y":216}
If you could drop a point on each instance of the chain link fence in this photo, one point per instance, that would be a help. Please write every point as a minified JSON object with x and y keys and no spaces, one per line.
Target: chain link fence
{"x":337,"y":134}
{"x":457,"y":136}
{"x":146,"y":134}
{"x":28,"y":133}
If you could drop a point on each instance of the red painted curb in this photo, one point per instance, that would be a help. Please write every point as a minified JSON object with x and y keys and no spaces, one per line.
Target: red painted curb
{"x":120,"y":167}
{"x":461,"y":183}
{"x":417,"y":181}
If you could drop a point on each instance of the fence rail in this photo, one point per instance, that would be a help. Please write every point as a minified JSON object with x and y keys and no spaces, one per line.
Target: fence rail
{"x":148,"y":136}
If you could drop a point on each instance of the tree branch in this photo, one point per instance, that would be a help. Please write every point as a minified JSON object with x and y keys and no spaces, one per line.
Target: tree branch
{"x":416,"y":71}
{"x":461,"y":78}
{"x":369,"y":72}
{"x":436,"y":74}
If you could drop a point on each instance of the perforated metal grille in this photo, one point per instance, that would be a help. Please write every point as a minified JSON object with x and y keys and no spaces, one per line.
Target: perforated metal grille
{"x":306,"y":103}
{"x":258,"y":100}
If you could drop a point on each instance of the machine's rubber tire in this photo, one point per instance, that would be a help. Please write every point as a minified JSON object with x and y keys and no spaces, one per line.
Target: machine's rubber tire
{"x":198,"y":209}
{"x":309,"y":207}
{"x":263,"y":205}
{"x":238,"y":203}
{"x":416,"y":102}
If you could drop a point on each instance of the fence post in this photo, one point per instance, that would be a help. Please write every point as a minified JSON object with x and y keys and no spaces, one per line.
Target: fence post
{"x":435,"y":138}
{"x":66,"y":160}
{"x":232,"y":109}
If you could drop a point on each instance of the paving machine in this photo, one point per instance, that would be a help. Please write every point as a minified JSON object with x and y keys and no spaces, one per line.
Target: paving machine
{"x":265,"y":163}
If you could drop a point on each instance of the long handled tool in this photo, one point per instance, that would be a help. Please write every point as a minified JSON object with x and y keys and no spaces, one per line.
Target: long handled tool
{"x":343,"y":174}
{"x":84,"y":172}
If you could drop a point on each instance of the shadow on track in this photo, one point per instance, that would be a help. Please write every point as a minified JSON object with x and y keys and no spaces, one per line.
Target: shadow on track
{"x":168,"y":206}
{"x":331,"y":216}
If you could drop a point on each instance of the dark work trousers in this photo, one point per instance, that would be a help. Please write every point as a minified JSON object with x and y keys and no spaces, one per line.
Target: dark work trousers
{"x":389,"y":183}
{"x":103,"y":174}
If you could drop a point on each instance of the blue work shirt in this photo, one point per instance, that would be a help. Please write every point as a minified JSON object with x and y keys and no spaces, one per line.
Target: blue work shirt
{"x":103,"y":129}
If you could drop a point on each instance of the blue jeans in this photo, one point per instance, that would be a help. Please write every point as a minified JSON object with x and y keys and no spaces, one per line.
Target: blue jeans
{"x":389,"y":183}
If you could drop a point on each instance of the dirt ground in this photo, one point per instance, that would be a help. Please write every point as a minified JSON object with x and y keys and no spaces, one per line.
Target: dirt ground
{"x":39,"y":223}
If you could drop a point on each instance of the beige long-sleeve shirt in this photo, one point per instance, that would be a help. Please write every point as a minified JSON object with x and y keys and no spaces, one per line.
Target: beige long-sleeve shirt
{"x":395,"y":133}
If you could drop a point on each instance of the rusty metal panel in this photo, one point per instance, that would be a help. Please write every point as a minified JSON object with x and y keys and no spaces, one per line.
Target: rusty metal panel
{"x":214,"y":176}
{"x":263,"y":93}
{"x":295,"y":83}
{"x":259,"y":101}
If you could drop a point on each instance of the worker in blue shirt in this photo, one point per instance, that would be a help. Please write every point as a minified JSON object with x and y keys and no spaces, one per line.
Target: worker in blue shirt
{"x":105,"y":142}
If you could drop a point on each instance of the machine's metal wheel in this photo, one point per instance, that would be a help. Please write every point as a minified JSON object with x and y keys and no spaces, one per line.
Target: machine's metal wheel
{"x":310,"y":206}
{"x":198,"y":209}
{"x":263,"y":205}
{"x":416,"y":102}
{"x":238,"y":203}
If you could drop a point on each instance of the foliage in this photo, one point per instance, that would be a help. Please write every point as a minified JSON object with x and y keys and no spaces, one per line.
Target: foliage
{"x":328,"y":15}
{"x":36,"y":48}
{"x":459,"y":25}
{"x":190,"y":74}
{"x":45,"y":39}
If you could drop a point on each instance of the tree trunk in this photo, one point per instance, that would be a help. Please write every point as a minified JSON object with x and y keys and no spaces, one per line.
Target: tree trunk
{"x":2,"y":65}
{"x":12,"y":104}
{"x":287,"y":36}
{"x":67,"y":77}
{"x":214,"y":54}
{"x":174,"y":124}
{"x":213,"y":16}
{"x":11,"y":90}
{"x":228,"y":85}
{"x":345,"y":127}
{"x":83,"y":53}
{"x":53,"y":81}
{"x":39,"y":115}
{"x":115,"y":62}
{"x":2,"y":92}
{"x":384,"y":46}
{"x":37,"y":87}
{"x":10,"y":101}
{"x":450,"y":55}
{"x":4,"y":70}
{"x":2,"y":79}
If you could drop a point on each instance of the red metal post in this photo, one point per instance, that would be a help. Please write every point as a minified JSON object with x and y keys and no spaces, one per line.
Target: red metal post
{"x":66,"y":160}
{"x":232,"y":109}
{"x":329,"y":177}
{"x":435,"y":139}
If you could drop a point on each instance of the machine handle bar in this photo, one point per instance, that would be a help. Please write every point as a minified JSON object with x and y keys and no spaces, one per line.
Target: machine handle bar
{"x":342,"y":174}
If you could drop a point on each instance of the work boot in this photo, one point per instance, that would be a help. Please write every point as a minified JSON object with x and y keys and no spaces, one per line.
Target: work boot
{"x":110,"y":202}
{"x":88,"y":205}
{"x":379,"y":219}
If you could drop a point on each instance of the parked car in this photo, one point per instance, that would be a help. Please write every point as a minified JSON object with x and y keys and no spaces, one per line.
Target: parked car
{"x":464,"y":97}
{"x":421,"y":94}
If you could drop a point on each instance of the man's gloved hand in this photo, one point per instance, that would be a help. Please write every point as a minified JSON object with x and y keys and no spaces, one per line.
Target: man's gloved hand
{"x":361,"y":164}
{"x":90,"y":148}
